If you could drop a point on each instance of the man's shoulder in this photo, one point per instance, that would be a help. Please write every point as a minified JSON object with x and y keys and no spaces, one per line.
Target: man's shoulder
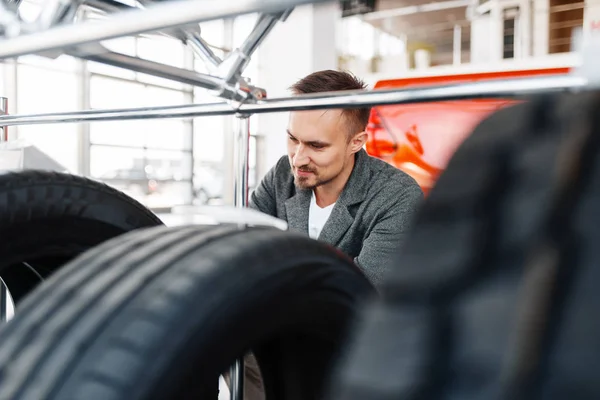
{"x":282,"y":172}
{"x":280,"y":178}
{"x":283,"y":164}
{"x":390,"y":178}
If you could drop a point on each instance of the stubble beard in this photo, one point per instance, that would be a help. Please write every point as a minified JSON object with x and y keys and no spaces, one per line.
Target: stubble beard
{"x":303,"y":183}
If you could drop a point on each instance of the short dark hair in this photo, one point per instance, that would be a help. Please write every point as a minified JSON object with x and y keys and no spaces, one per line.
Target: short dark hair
{"x":331,"y":81}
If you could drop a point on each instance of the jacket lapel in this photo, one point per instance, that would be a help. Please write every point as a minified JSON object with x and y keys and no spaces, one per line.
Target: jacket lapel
{"x":354,"y":193}
{"x":296,"y":208}
{"x":336,"y":226}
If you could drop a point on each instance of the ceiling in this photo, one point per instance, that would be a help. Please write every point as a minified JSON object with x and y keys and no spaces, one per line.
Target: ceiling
{"x":425,"y":22}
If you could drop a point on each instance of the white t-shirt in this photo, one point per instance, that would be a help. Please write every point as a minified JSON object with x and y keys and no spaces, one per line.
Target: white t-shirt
{"x":317,"y":217}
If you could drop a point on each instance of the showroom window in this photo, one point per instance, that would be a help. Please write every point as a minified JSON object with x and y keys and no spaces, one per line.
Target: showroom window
{"x":45,"y":86}
{"x":149,"y":159}
{"x":213,"y":136}
{"x":160,"y":162}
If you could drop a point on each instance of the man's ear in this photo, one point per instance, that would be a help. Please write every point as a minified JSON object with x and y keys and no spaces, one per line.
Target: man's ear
{"x":358,"y":141}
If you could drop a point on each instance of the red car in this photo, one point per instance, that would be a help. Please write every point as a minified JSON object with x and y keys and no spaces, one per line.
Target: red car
{"x":420,"y":138}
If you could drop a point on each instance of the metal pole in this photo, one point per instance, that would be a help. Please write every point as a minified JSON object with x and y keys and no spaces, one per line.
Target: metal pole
{"x":127,"y":23}
{"x":239,"y":59}
{"x":3,"y":301}
{"x":4,"y":111}
{"x":241,"y":146}
{"x":3,"y":289}
{"x":201,"y":48}
{"x":212,"y":83}
{"x":502,"y":88}
{"x":261,"y":30}
{"x":237,"y":380}
{"x":240,"y":200}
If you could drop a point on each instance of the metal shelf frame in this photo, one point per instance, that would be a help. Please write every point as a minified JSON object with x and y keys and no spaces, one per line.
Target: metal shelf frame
{"x":54,"y":33}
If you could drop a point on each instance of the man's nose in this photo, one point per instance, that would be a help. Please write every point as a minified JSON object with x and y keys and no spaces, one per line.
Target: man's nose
{"x":300,"y":158}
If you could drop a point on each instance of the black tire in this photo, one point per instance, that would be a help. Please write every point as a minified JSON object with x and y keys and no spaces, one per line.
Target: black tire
{"x":496,"y":291}
{"x":48,"y":218}
{"x":159,"y":313}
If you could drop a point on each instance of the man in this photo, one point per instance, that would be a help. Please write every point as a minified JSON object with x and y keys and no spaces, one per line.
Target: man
{"x":329,"y":188}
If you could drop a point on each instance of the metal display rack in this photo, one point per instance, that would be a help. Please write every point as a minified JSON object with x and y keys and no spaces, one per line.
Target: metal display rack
{"x":55,"y":32}
{"x":3,"y":289}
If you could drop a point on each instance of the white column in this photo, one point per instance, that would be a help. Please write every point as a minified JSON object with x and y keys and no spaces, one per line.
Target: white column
{"x":541,"y":27}
{"x":481,"y":39}
{"x":496,"y":40}
{"x":303,"y":44}
{"x":524,"y":29}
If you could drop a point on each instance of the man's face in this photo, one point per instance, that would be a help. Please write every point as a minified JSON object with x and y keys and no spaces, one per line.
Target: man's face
{"x":318,"y":147}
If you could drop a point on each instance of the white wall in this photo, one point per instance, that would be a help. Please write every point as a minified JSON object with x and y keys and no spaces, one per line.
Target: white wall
{"x":487,"y":31}
{"x":591,"y":18}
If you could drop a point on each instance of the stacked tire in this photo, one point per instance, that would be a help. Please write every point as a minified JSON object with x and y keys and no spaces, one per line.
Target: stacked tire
{"x":161,"y":313}
{"x":49,"y":218}
{"x":496,"y":291}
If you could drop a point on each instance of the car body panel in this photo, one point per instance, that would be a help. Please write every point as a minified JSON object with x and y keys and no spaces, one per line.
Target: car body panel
{"x":421,"y":138}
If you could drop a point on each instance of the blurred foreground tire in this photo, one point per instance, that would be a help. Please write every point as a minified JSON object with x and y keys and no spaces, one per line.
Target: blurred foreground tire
{"x":160,"y":313}
{"x":496,"y":291}
{"x":48,"y":218}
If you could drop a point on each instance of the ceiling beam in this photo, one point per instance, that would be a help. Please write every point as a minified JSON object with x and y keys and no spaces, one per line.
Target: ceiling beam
{"x":409,"y":10}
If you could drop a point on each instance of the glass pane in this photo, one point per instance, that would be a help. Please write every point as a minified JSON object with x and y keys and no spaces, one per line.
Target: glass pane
{"x":114,"y":163}
{"x":61,"y":63}
{"x":171,"y":173}
{"x":208,"y":183}
{"x":242,"y":26}
{"x":59,"y":91}
{"x":106,"y":92}
{"x":125,"y":45}
{"x":162,"y":50}
{"x":203,"y":96}
{"x":209,"y":138}
{"x":119,"y":133}
{"x":121,"y":169}
{"x":154,"y":80}
{"x":169,"y":165}
{"x":162,"y":96}
{"x":155,"y":178}
{"x":155,"y":133}
{"x":168,"y":134}
{"x":212,"y":32}
{"x":103,"y":69}
{"x":58,"y":141}
{"x":170,"y":194}
{"x":115,"y":93}
{"x":59,"y":94}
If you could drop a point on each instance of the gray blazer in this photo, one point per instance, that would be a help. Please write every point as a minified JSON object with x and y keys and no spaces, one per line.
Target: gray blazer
{"x":369,"y":220}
